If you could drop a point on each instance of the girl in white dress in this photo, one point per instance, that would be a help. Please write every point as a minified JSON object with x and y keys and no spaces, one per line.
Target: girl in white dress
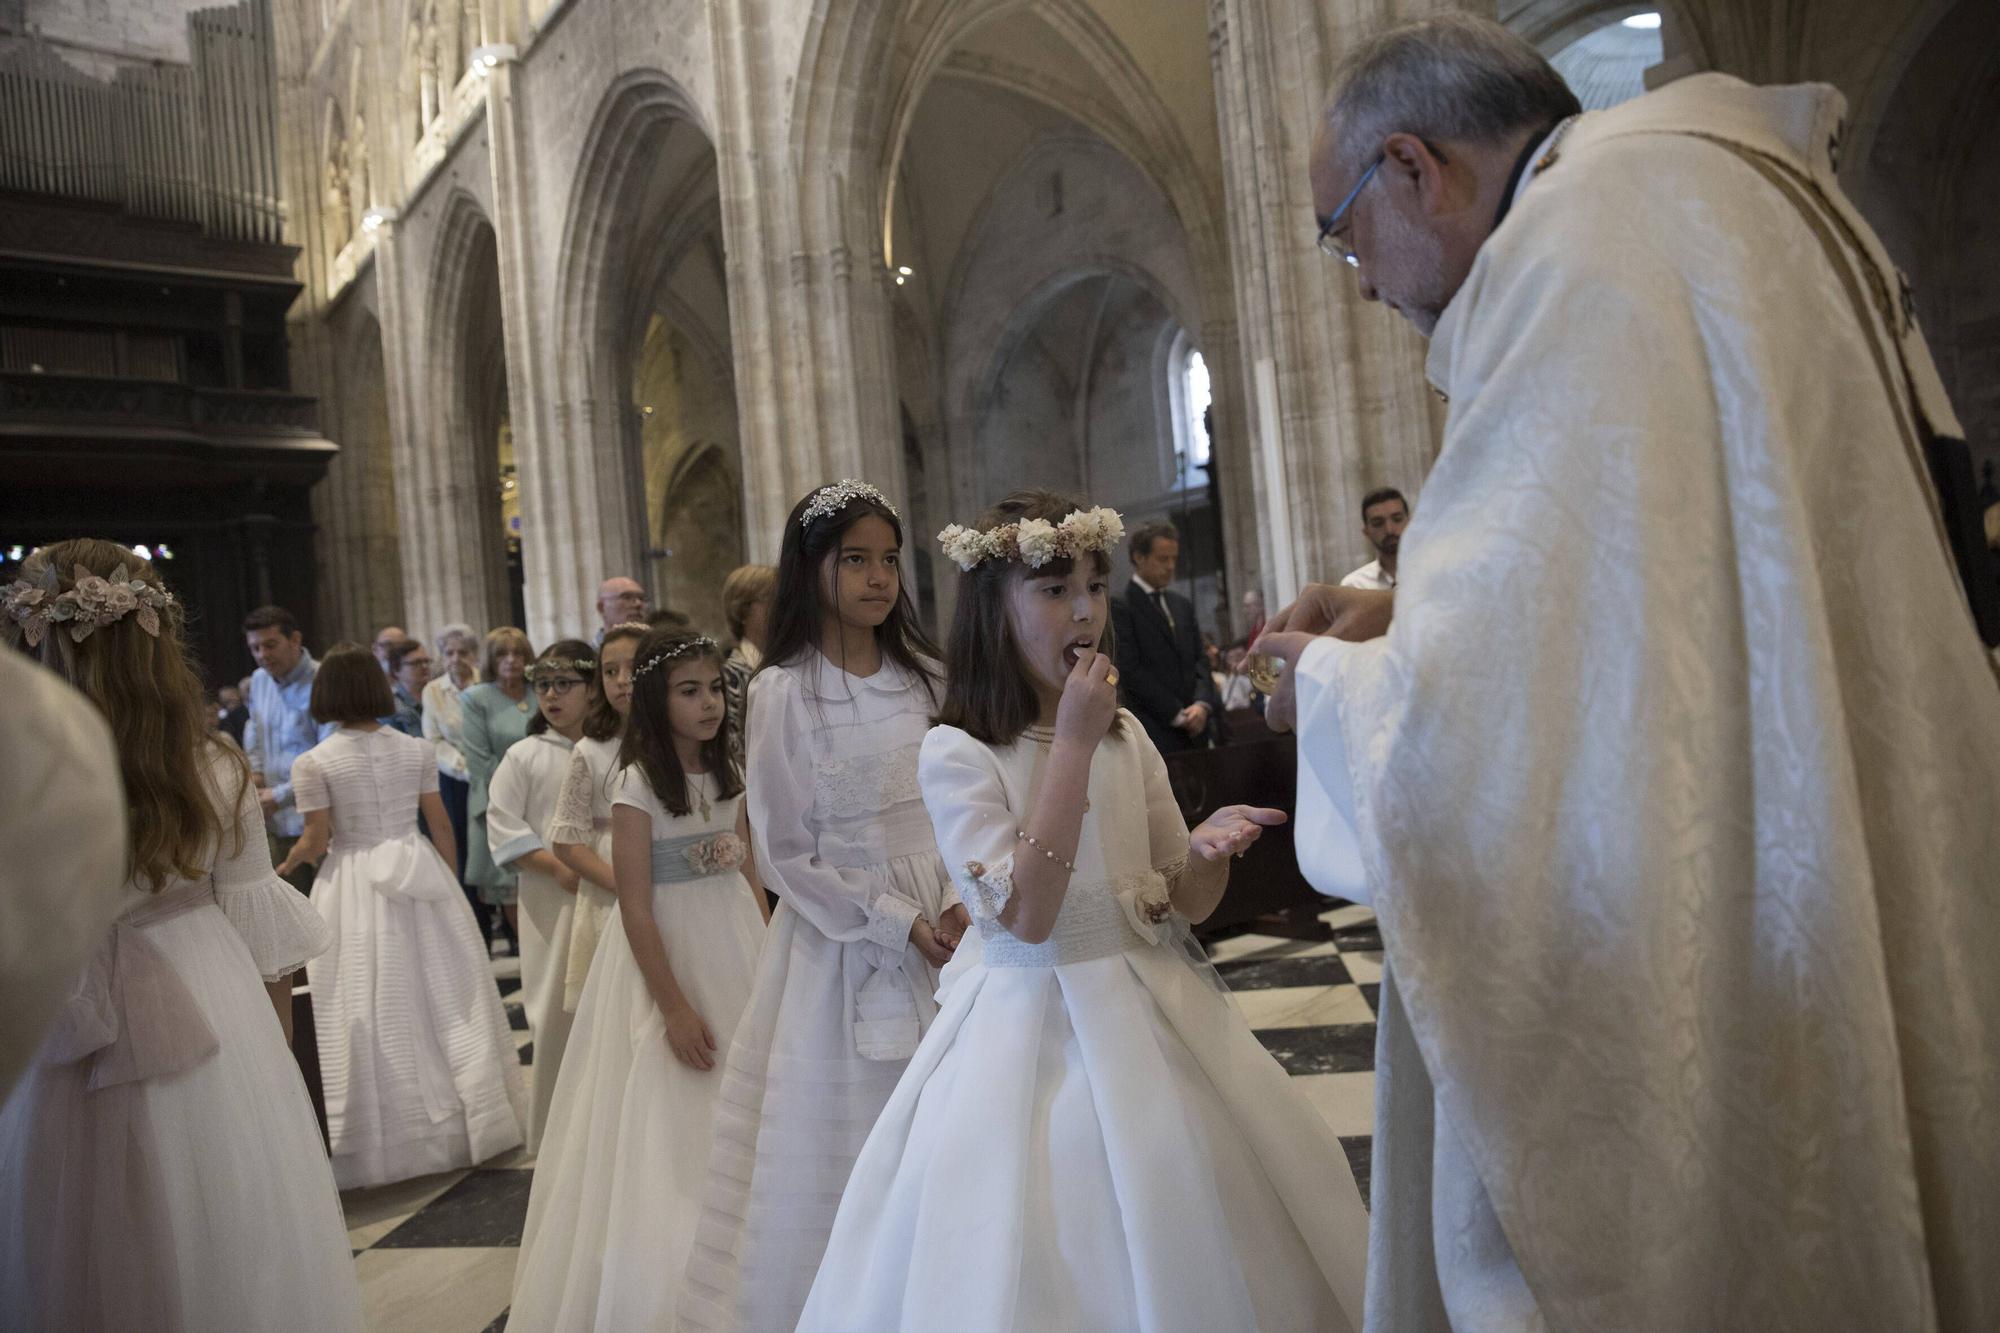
{"x":160,"y":1167}
{"x":416,"y":1060}
{"x":580,"y":833}
{"x":1090,"y":1136}
{"x":520,"y":805}
{"x":611,"y":1213}
{"x":865,"y":916}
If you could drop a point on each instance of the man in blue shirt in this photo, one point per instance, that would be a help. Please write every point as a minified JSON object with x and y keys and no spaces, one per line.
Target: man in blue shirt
{"x":280,"y":727}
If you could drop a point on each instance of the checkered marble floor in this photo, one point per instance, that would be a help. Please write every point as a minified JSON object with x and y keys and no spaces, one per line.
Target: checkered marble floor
{"x":436,"y":1254}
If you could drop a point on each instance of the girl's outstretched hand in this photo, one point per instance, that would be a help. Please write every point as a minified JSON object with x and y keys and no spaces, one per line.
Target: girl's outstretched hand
{"x":1230,"y":831}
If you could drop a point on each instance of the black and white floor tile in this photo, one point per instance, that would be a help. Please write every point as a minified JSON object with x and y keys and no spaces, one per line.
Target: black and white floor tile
{"x":436,"y":1255}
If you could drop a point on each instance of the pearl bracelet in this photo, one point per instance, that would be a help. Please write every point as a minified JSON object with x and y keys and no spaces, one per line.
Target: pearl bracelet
{"x":1022,"y":835}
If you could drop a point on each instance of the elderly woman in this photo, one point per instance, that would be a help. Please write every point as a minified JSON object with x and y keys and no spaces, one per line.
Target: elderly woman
{"x":494,"y":715}
{"x":746,"y":605}
{"x":409,"y":672}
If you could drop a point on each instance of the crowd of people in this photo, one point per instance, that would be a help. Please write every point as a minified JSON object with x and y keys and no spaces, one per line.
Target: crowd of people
{"x":714,"y":1084}
{"x":1675,"y":789}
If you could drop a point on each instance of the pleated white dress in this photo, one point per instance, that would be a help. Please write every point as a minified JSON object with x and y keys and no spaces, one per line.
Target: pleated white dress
{"x":520,"y":805}
{"x":841,"y":996}
{"x":618,"y":1186}
{"x":1090,"y":1137}
{"x":583,"y":816}
{"x":160,"y":1167}
{"x":416,"y":1059}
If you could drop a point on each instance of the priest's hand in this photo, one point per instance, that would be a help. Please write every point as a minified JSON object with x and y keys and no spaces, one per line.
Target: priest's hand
{"x":1281,"y":709}
{"x":1345,"y":613}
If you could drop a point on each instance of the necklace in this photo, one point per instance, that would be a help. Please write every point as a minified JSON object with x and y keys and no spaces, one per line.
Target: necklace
{"x":700,"y":783}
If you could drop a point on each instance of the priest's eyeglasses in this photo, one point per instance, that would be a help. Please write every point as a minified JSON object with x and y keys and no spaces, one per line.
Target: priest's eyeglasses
{"x":1332,"y":243}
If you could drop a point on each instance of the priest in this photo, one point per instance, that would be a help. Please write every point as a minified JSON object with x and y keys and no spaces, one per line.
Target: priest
{"x":1672,"y":764}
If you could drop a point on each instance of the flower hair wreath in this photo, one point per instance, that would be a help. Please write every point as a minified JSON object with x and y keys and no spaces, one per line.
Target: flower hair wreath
{"x":703,"y":645}
{"x":832,"y":499}
{"x":88,"y":606}
{"x":1035,"y":541}
{"x":549,"y":665}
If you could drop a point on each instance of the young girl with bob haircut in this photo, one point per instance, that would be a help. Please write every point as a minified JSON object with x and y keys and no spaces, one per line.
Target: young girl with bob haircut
{"x":865,"y":915}
{"x":160,"y":1166}
{"x":1090,"y":1136}
{"x":416,"y":1059}
{"x":520,"y":806}
{"x":580,"y":834}
{"x":617,"y":1190}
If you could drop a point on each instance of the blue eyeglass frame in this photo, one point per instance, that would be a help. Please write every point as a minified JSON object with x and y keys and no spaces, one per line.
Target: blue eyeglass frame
{"x":1327,"y":244}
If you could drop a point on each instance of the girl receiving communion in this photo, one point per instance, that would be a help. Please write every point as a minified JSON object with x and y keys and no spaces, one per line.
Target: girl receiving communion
{"x":1090,"y":1137}
{"x":612,"y":1210}
{"x":865,"y":917}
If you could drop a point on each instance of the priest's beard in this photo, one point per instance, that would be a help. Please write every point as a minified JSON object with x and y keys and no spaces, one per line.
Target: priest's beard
{"x":1409,"y":264}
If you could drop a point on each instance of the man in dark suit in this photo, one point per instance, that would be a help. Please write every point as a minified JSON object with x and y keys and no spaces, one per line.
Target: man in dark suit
{"x":1163,"y":674}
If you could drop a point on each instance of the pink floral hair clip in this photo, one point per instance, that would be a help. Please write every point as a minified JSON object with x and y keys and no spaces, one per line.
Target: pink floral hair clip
{"x":90,"y":604}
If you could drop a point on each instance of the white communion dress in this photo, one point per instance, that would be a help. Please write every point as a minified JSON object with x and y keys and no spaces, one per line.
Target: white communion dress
{"x":160,"y":1167}
{"x":618,"y":1187}
{"x":583,"y":817}
{"x":841,"y":996}
{"x":416,"y":1060}
{"x":1090,"y":1137}
{"x":520,"y":805}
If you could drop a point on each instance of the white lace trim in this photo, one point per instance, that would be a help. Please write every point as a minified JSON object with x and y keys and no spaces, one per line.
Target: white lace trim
{"x":889,"y":921}
{"x":986,"y":889}
{"x":866,"y":784}
{"x":571,"y":822}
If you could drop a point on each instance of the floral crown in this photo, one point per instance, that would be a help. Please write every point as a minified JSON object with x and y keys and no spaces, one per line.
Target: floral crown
{"x":832,"y":499}
{"x":90,"y":604}
{"x":1035,"y":541}
{"x":684,"y":648}
{"x":551,"y":664}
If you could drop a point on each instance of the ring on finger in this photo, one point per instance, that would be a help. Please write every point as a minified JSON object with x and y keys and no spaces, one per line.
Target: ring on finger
{"x":1111,"y":676}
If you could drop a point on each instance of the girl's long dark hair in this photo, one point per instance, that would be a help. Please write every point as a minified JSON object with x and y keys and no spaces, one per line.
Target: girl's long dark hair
{"x":988,"y":692}
{"x":798,"y":610}
{"x":573,"y":650}
{"x":649,"y":734}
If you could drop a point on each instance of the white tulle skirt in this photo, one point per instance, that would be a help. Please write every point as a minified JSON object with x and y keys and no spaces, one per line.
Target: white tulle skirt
{"x":1101,"y":1145}
{"x":196,"y":1200}
{"x":416,"y":1059}
{"x":798,"y":1099}
{"x":619,"y":1183}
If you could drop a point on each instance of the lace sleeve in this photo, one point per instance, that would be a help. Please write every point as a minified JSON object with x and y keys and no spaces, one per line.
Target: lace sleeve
{"x":975,"y":824}
{"x":985,"y":889}
{"x":279,"y":924}
{"x":572,"y":822}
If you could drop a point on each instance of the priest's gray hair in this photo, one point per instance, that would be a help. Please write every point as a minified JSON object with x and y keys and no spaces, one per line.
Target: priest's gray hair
{"x":1451,"y":77}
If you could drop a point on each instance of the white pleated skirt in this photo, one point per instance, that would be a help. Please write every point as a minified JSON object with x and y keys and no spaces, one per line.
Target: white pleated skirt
{"x":797,"y":1101}
{"x":619,"y":1183}
{"x":1098,"y":1146}
{"x":416,"y":1059}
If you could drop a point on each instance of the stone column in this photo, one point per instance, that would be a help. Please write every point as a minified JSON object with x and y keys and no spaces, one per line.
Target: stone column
{"x":579,"y":519}
{"x":1333,"y":386}
{"x":808,"y":295}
